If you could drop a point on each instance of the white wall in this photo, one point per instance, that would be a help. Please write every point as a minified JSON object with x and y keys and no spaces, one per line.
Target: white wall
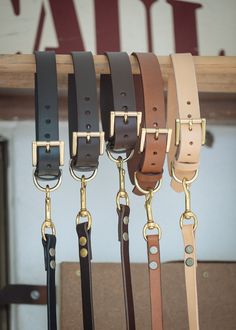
{"x":213,"y":198}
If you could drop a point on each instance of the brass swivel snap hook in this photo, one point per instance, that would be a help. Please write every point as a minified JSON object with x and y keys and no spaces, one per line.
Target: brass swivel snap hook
{"x":188,"y":214}
{"x":83,"y":213}
{"x":122,"y":193}
{"x":150,"y":225}
{"x":48,"y":221}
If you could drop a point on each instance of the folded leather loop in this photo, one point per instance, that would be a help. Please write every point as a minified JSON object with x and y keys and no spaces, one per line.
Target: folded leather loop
{"x":123,"y":231}
{"x":150,"y":100}
{"x":154,"y":269}
{"x":85,"y":257}
{"x":117,"y":94}
{"x":46,"y":115}
{"x":190,"y":267}
{"x":183,"y":104}
{"x":83,"y":112}
{"x":50,"y":264}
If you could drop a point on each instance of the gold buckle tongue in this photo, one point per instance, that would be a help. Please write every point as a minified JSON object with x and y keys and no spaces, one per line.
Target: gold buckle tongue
{"x":190,"y":123}
{"x":155,"y":131}
{"x":126,"y":115}
{"x":47,"y":145}
{"x":88,"y":136}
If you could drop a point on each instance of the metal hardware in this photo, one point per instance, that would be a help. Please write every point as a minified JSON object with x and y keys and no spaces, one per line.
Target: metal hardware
{"x":122,"y":193}
{"x":188,"y":181}
{"x":88,"y":136}
{"x":189,"y":249}
{"x":83,"y":241}
{"x":116,"y":160}
{"x":155,"y":131}
{"x":153,"y":265}
{"x":190,"y":123}
{"x":188,"y":214}
{"x":47,"y":145}
{"x":83,"y":213}
{"x":150,"y":225}
{"x":83,"y":253}
{"x":126,"y":115}
{"x":153,"y":250}
{"x":145,"y":192}
{"x":79,"y":178}
{"x":53,"y":188}
{"x":48,"y":221}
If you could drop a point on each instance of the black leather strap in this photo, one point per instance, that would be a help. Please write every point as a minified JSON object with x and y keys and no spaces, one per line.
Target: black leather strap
{"x":117,"y":94}
{"x":123,"y":230}
{"x":50,"y":264}
{"x":85,"y":256}
{"x":83,"y":112}
{"x":46,"y":115}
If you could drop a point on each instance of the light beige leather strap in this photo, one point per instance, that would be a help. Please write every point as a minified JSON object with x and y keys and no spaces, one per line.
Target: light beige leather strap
{"x":183,"y":117}
{"x":190,"y":264}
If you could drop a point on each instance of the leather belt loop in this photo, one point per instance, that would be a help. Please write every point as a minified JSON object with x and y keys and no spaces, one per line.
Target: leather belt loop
{"x":47,"y":149}
{"x":123,"y":236}
{"x":120,"y":118}
{"x":50,"y":266}
{"x":86,"y":140}
{"x":154,"y":136}
{"x":184,"y":118}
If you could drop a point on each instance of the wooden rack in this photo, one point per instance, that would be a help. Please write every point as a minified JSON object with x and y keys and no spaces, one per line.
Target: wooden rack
{"x":216,"y":79}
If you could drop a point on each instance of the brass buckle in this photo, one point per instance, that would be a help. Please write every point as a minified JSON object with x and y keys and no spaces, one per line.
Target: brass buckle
{"x":47,"y":145}
{"x":88,"y":136}
{"x":155,"y":131}
{"x":114,"y":114}
{"x":190,"y":123}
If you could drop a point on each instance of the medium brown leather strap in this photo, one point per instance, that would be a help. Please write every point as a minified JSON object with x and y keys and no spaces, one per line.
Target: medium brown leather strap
{"x":190,"y":264}
{"x":123,"y":231}
{"x":118,"y":107}
{"x":154,"y":267}
{"x":149,"y":160}
{"x":183,"y":117}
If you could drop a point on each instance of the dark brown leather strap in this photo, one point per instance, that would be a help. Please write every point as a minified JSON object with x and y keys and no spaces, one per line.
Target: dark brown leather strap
{"x":84,"y":136}
{"x":117,"y":99}
{"x":123,"y":231}
{"x":85,"y":256}
{"x":154,"y":267}
{"x":150,"y":100}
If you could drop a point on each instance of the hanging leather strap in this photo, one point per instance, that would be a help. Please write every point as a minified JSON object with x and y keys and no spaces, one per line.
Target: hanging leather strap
{"x":86,"y":142}
{"x":154,"y":267}
{"x":120,"y":118}
{"x":47,"y":149}
{"x":123,"y":231}
{"x":183,"y":117}
{"x":190,"y":267}
{"x":50,"y":265}
{"x":150,"y":150}
{"x":85,"y":257}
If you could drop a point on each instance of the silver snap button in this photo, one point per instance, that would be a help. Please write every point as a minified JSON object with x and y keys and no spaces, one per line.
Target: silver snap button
{"x":53,"y":264}
{"x":153,"y":250}
{"x":189,"y":249}
{"x":125,"y":236}
{"x":126,"y":220}
{"x":153,"y":265}
{"x":52,"y":252}
{"x":35,"y":294}
{"x":189,"y":262}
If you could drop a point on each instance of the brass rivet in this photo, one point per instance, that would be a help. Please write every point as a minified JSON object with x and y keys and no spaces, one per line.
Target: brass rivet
{"x":189,"y":249}
{"x":82,"y":241}
{"x":205,"y":275}
{"x":52,"y":252}
{"x":153,"y":250}
{"x":83,"y":253}
{"x":189,"y":262}
{"x":77,"y":273}
{"x":126,"y":220}
{"x":125,"y":236}
{"x":153,"y":265}
{"x":53,"y":264}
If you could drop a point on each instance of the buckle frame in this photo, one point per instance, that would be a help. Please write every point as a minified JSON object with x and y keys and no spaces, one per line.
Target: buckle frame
{"x":190,"y":123}
{"x":88,"y":136}
{"x":47,"y":145}
{"x":155,"y":131}
{"x":125,"y":114}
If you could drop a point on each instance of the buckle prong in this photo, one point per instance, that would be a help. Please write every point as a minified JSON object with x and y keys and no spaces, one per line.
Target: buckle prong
{"x":125,"y":115}
{"x":88,"y":136}
{"x":47,"y":145}
{"x":155,"y":131}
{"x":190,"y":123}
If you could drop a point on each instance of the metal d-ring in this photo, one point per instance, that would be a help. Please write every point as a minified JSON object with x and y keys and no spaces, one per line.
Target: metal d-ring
{"x":145,"y":192}
{"x":181,"y":181}
{"x":117,"y":160}
{"x":151,"y":226}
{"x":44,"y":189}
{"x":79,"y":178}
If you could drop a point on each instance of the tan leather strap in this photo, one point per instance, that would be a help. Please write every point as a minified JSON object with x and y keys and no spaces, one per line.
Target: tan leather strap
{"x":150,"y":100}
{"x":154,"y":266}
{"x":183,"y":106}
{"x":190,"y":264}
